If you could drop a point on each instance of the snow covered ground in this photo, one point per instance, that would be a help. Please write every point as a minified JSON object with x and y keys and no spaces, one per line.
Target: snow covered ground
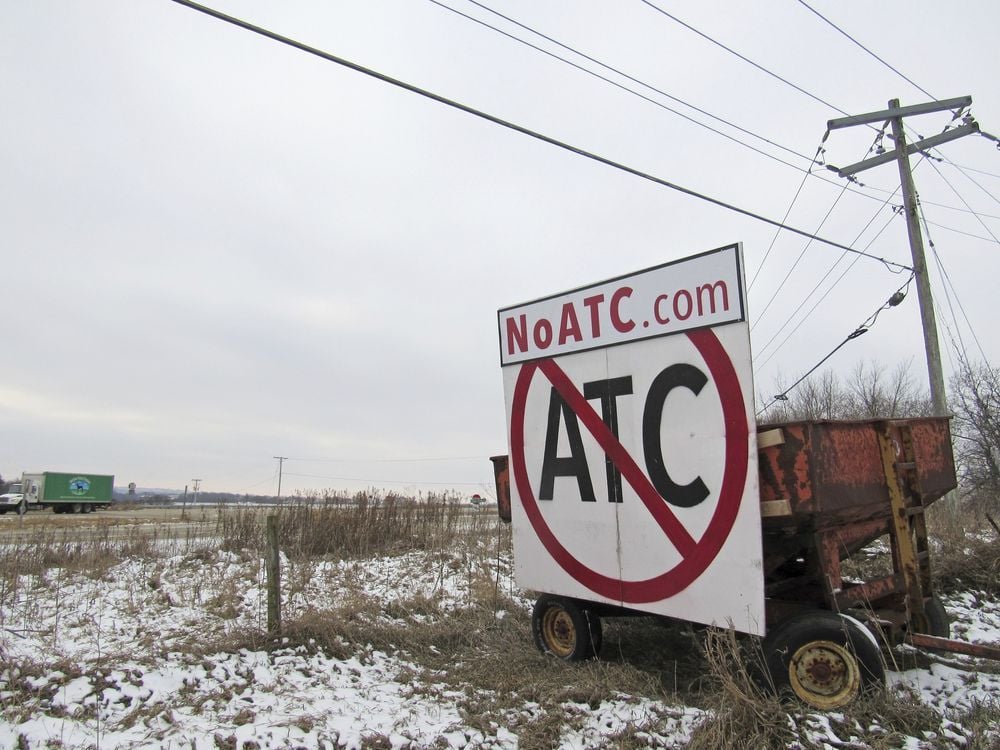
{"x":146,"y":654}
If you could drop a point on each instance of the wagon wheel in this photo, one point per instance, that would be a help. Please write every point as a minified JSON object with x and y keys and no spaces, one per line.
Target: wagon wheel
{"x":938,"y":622}
{"x":563,"y":628}
{"x":825,"y":659}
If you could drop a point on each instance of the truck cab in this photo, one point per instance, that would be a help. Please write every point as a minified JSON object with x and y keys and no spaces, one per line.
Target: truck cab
{"x":13,"y":499}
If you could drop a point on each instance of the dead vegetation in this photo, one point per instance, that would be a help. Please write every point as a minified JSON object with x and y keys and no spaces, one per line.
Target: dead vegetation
{"x":966,"y":546}
{"x":362,"y":525}
{"x":480,"y":655}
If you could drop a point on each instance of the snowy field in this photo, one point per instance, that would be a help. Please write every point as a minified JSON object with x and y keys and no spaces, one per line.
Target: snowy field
{"x":166,"y":651}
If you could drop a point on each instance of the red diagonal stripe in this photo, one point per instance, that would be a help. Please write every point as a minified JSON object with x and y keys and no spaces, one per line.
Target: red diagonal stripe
{"x":625,"y":464}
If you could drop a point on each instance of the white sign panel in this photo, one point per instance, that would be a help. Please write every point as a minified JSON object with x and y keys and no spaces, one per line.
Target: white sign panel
{"x":633,"y":461}
{"x":704,"y":290}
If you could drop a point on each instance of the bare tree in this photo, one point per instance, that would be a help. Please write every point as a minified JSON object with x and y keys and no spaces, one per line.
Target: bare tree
{"x":875,"y":394}
{"x":869,"y":393}
{"x":975,"y":401}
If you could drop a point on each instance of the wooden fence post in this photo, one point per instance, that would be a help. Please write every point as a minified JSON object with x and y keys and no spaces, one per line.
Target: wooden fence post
{"x":272,"y":563}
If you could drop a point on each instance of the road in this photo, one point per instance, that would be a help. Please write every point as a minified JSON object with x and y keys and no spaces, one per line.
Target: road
{"x":115,"y":523}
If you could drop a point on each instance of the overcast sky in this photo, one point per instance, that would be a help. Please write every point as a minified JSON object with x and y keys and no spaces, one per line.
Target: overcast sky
{"x":217,"y":249}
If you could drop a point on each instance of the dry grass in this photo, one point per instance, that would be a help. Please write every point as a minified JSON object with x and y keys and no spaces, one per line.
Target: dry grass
{"x":966,"y":553}
{"x":482,"y":654}
{"x":746,"y":713}
{"x":367,"y":524}
{"x":982,"y":723}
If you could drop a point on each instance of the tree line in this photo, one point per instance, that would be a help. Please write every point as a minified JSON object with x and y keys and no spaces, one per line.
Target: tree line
{"x":872,"y":391}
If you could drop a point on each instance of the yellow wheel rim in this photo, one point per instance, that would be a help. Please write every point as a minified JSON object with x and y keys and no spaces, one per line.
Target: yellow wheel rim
{"x":558,"y":632}
{"x":824,"y":674}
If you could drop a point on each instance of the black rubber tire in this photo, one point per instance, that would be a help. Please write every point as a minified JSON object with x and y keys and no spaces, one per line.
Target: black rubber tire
{"x":3,"y":511}
{"x":563,"y":628}
{"x":938,"y":621}
{"x":76,"y":508}
{"x":824,"y":659}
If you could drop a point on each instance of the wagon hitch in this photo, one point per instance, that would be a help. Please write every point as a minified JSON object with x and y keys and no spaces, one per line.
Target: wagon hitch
{"x":983,"y":651}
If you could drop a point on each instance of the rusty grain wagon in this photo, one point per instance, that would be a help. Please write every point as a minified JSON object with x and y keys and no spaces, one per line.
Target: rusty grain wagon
{"x":828,"y":491}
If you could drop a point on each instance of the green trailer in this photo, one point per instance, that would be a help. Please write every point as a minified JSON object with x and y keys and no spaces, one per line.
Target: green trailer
{"x":67,"y":492}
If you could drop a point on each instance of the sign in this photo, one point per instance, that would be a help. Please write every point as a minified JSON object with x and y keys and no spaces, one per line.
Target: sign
{"x":704,"y":290}
{"x":632,"y":443}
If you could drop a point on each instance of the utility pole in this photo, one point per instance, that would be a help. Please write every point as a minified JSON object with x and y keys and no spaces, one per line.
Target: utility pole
{"x":901,"y":155}
{"x":281,"y":463}
{"x":197,"y":484}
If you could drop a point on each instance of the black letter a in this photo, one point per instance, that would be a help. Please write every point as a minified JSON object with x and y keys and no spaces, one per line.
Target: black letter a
{"x":575,"y":465}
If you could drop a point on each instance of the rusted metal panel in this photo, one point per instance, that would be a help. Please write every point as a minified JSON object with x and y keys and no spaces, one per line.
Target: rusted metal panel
{"x":850,"y":537}
{"x":784,"y":469}
{"x":934,"y":643}
{"x":934,"y":457}
{"x":833,"y":470}
{"x":502,"y":477}
{"x":870,"y":592}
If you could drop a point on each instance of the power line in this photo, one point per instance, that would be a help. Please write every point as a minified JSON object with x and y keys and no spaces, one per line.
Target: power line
{"x":436,"y":459}
{"x":512,"y":126}
{"x":959,"y":348}
{"x":744,"y":58}
{"x":759,"y":316}
{"x":826,"y":294}
{"x":806,"y":171}
{"x":257,"y":484}
{"x":970,"y":179}
{"x":826,"y":275}
{"x":960,"y":231}
{"x":959,"y":195}
{"x":948,"y":283}
{"x":623,"y":74}
{"x":973,"y":169}
{"x":890,"y":67}
{"x":383,"y":481}
{"x":798,"y":88}
{"x":774,"y":296}
{"x":784,"y":218}
{"x":898,"y":296}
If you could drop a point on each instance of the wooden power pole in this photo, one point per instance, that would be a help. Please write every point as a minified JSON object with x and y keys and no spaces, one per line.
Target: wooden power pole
{"x":901,"y":155}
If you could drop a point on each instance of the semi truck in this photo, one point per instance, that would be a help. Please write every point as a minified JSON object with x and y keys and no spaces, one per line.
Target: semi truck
{"x":63,"y":492}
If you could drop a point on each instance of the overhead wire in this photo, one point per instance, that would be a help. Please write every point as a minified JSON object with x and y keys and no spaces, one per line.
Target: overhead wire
{"x":805,"y":170}
{"x":859,"y":44}
{"x":760,"y":315}
{"x":913,"y":83}
{"x":898,"y":296}
{"x":742,"y":57}
{"x":574,"y":50}
{"x":959,"y":196}
{"x":980,"y":171}
{"x":791,"y":317}
{"x":274,"y":36}
{"x":619,"y":72}
{"x":826,"y":103}
{"x":382,"y":481}
{"x":777,"y":232}
{"x":784,"y":80}
{"x":834,"y":285}
{"x":960,"y":231}
{"x":947,"y":282}
{"x":257,"y":484}
{"x":433,"y":459}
